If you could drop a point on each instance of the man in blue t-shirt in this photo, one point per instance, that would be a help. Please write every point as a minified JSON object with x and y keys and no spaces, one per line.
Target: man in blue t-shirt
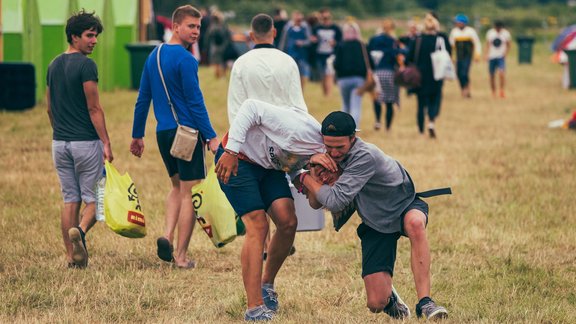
{"x":180,"y":73}
{"x":80,"y":141}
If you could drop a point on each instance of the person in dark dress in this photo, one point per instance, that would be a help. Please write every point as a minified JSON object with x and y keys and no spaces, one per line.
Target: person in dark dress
{"x":429,"y":93}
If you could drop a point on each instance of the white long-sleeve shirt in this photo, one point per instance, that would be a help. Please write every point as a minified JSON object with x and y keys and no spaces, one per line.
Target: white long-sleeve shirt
{"x":290,"y":135}
{"x":266,"y":74}
{"x":465,"y":42}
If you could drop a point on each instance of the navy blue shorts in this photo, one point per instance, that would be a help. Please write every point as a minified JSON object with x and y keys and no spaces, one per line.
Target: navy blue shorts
{"x":379,"y":249}
{"x":254,"y":188}
{"x":496,"y":64}
{"x":188,"y":171}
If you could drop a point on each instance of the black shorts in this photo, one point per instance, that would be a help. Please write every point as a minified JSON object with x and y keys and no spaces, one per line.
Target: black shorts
{"x":379,"y":249}
{"x":193,"y":170}
{"x":254,"y":188}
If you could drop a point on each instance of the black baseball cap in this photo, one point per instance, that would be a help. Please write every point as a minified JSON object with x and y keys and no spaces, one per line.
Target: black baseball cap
{"x":338,"y":123}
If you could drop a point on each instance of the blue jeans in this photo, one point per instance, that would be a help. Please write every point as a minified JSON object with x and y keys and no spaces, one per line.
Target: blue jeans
{"x":351,"y":102}
{"x":463,"y":70}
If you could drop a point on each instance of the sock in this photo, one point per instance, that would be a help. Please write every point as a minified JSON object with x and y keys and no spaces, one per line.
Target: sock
{"x":267,"y":285}
{"x":431,"y":125}
{"x":424,"y":300}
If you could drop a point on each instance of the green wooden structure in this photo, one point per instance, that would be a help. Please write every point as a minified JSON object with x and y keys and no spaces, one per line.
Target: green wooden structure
{"x":35,"y":32}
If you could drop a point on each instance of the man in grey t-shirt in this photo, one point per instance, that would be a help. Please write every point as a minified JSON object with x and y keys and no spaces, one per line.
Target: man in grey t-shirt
{"x":383,"y":194}
{"x":80,"y":140}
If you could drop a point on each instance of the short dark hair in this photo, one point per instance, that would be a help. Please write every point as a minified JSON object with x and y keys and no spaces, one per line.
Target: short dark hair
{"x":261,"y":25}
{"x":498,"y":24}
{"x":80,"y":22}
{"x":185,"y":11}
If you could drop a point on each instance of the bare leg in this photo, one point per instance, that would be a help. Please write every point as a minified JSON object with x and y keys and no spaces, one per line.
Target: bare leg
{"x":378,"y":290}
{"x":186,"y":222}
{"x":172,"y":208}
{"x":69,"y":219}
{"x":282,"y":212}
{"x":415,"y":228}
{"x":257,"y":228}
{"x":502,"y":76}
{"x":327,"y":82}
{"x":88,"y":218}
{"x":493,"y":84}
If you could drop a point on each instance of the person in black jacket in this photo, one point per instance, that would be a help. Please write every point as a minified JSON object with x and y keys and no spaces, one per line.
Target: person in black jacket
{"x":350,"y":67}
{"x":429,"y":93}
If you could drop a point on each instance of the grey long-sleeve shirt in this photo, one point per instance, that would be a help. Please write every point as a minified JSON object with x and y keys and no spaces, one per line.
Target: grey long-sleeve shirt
{"x":378,"y":185}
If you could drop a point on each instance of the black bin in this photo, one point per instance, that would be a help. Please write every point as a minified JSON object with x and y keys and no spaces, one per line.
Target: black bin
{"x":138,"y":54}
{"x":525,"y":49}
{"x":17,"y":86}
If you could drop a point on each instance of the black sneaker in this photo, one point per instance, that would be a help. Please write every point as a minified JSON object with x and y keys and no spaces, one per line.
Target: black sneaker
{"x":428,"y":308}
{"x":396,"y":308}
{"x":432,"y":132}
{"x":79,"y":252}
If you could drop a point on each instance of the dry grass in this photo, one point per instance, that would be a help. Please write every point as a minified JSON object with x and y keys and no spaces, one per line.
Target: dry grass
{"x":502,"y":245}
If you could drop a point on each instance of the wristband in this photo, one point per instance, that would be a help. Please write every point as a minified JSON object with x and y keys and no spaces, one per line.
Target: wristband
{"x":231,"y":152}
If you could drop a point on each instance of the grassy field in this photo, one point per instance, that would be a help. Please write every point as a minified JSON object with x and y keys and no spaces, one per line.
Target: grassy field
{"x":502,"y":245}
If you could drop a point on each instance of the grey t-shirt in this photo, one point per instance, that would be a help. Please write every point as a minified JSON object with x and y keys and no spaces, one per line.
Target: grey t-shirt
{"x":377,"y":184}
{"x":66,"y":76}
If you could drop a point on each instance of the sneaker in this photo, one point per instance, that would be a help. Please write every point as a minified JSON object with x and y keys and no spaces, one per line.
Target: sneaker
{"x":432,"y":132}
{"x":79,"y":252}
{"x":270,"y":298}
{"x":396,"y":308}
{"x":260,"y":313}
{"x":428,"y":308}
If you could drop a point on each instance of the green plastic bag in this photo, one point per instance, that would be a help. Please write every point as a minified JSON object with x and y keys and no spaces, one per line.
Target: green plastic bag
{"x":213,"y":211}
{"x":122,"y":210}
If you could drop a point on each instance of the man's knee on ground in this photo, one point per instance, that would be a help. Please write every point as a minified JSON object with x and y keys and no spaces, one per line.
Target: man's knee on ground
{"x":376,"y":304}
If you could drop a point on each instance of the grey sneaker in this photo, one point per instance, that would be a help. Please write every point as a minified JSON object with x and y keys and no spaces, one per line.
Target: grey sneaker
{"x":428,"y":308}
{"x":396,"y":308}
{"x":260,"y":313}
{"x":270,"y":298}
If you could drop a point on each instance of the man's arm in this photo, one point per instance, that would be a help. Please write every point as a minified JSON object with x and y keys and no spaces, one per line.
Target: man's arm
{"x":236,"y":92}
{"x":49,"y":107}
{"x":97,"y":116}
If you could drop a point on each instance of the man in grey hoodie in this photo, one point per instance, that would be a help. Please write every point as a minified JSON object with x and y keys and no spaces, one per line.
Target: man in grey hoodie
{"x":383,"y":194}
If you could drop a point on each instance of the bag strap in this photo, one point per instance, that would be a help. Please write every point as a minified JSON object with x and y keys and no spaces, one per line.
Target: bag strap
{"x":164,"y":84}
{"x":417,"y":49}
{"x":440,"y":44}
{"x":365,"y":54}
{"x":434,"y":192}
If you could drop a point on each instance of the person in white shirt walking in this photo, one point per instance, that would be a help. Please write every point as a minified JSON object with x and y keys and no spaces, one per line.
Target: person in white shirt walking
{"x":270,"y":76}
{"x":498,"y":41}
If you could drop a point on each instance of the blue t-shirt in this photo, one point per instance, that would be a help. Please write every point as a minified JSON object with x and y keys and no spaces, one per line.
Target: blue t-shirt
{"x":180,"y":70}
{"x":388,"y":48}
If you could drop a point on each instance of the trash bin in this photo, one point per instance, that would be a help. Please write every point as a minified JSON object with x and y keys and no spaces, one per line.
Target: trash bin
{"x":571,"y":66}
{"x":525,"y":49}
{"x":138,"y":54}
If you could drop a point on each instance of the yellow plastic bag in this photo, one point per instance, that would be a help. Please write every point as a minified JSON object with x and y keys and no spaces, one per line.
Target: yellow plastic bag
{"x":122,"y":210}
{"x":213,"y":211}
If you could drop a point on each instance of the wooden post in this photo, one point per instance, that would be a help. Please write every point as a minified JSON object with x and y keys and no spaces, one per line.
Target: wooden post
{"x":144,"y":12}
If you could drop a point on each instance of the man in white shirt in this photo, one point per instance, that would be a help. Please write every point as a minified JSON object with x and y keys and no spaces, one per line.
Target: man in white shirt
{"x":257,"y":186}
{"x":498,"y":41}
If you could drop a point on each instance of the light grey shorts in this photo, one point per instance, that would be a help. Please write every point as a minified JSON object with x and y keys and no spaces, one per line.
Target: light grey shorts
{"x":79,"y":165}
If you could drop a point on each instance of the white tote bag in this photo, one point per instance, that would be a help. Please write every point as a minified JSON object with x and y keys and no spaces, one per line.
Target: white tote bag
{"x":442,"y":62}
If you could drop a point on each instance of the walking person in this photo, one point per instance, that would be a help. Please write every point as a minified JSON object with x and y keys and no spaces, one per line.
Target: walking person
{"x":351,"y":64}
{"x":465,"y":42}
{"x":498,"y":42}
{"x":80,"y":141}
{"x":388,"y":49}
{"x":429,"y":94}
{"x":270,"y":76}
{"x":383,"y":194}
{"x":180,"y":73}
{"x":295,"y":42}
{"x":326,"y":36}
